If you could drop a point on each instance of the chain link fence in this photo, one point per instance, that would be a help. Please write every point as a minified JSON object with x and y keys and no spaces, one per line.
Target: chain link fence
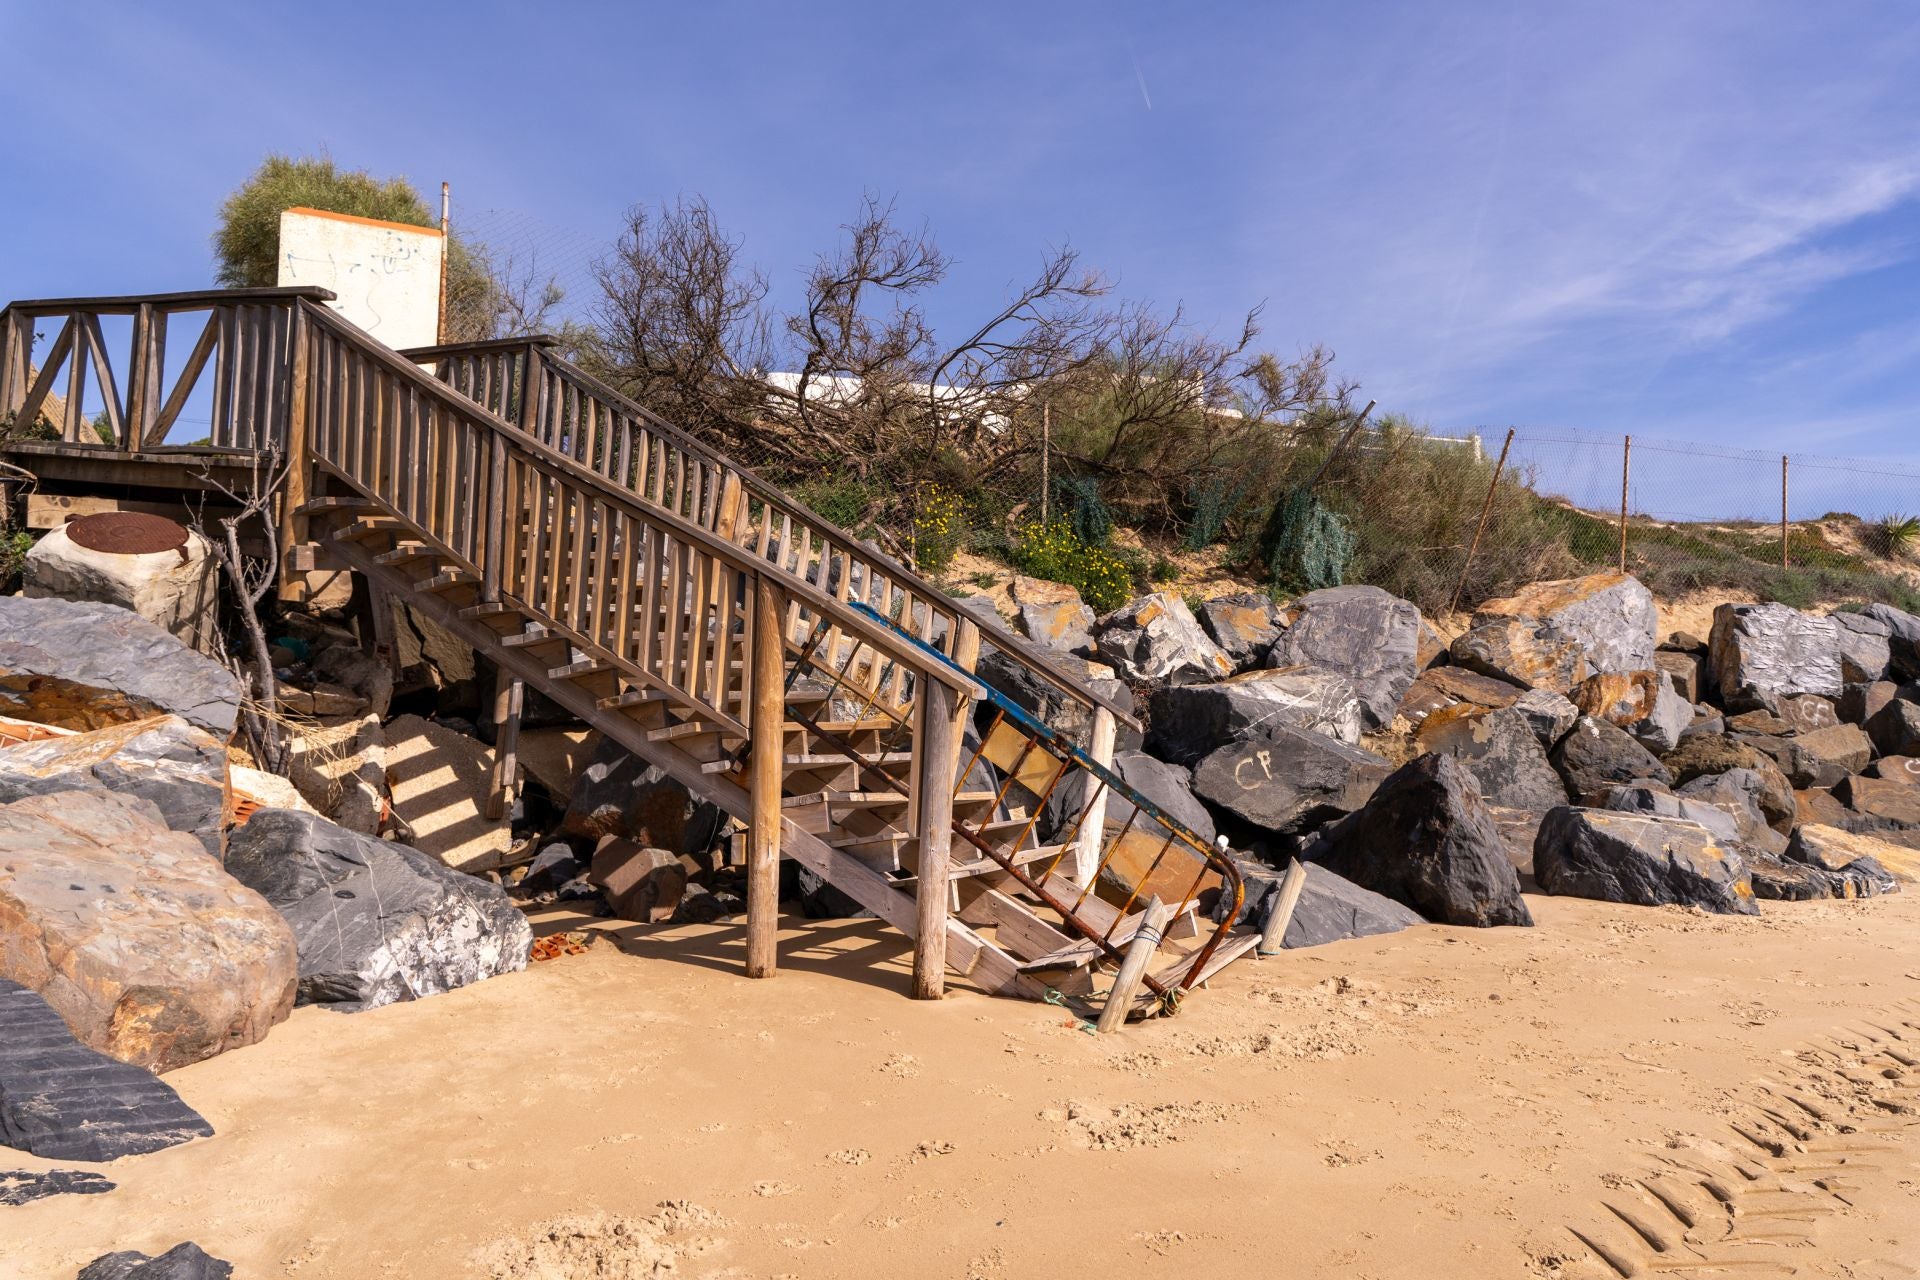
{"x":1443,"y":519}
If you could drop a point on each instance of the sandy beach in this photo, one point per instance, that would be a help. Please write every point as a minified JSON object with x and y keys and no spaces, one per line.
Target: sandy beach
{"x":1442,"y":1102}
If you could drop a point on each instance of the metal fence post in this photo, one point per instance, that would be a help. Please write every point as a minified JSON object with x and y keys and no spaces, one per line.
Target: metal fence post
{"x":1485,"y":509}
{"x":1783,"y":511}
{"x":1626,"y":467}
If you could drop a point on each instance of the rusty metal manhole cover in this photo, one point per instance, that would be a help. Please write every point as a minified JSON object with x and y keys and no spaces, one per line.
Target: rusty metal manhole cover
{"x":127,"y":533}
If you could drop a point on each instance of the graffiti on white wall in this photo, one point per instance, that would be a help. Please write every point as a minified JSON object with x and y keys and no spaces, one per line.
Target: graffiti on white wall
{"x":385,"y":275}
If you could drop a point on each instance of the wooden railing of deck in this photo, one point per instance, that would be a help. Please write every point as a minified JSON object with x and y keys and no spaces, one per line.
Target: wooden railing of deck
{"x":527,"y":381}
{"x":243,"y":349}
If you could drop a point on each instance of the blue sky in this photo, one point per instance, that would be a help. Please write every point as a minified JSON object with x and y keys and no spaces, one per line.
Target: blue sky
{"x":1686,"y":220}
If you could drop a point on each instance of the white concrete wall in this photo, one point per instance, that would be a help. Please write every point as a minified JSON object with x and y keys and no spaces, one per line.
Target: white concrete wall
{"x":386,"y":275}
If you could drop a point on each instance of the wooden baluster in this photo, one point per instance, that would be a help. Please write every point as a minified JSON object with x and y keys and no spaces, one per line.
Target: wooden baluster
{"x":139,"y":408}
{"x":76,"y":422}
{"x":766,"y":764}
{"x":939,"y":715}
{"x":293,"y":522}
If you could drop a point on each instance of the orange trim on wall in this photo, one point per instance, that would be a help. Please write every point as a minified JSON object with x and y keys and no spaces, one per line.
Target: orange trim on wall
{"x":368,"y":222}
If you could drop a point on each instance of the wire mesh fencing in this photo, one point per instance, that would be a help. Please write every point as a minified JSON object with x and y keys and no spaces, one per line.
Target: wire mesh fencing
{"x":1443,"y":519}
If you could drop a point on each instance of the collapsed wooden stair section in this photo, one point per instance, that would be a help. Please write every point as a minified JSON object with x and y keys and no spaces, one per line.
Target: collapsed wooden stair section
{"x":802,"y":681}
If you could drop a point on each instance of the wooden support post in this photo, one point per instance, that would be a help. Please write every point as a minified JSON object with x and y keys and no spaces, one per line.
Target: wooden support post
{"x":380,"y":605}
{"x":768,"y":693}
{"x":1093,"y":827}
{"x":1626,"y":469}
{"x":509,"y":698}
{"x":138,"y":377}
{"x":1486,"y":508}
{"x":1273,"y":936}
{"x":293,"y":524}
{"x":1783,"y":511}
{"x":16,"y":343}
{"x":1134,"y":968}
{"x":938,"y":711}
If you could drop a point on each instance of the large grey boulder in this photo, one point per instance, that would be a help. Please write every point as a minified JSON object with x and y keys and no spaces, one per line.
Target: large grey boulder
{"x":1505,"y":758}
{"x":1650,"y":798}
{"x":1595,"y":757}
{"x":86,"y":665}
{"x":1288,"y":780}
{"x":1185,"y":722}
{"x":1685,"y":671}
{"x":24,"y":1186}
{"x":134,"y":933}
{"x":1642,"y":859}
{"x":1824,"y":756}
{"x":1427,"y":839}
{"x":1370,"y":637}
{"x":1533,"y":655}
{"x":1549,"y":715}
{"x":1610,"y":616}
{"x":1895,"y":728}
{"x":1760,"y":650}
{"x":1438,"y":690}
{"x":1157,"y":638}
{"x":1243,"y":625}
{"x":1903,"y":639}
{"x":375,"y":922}
{"x":186,"y":1261}
{"x":1866,"y":648}
{"x":1750,"y":798}
{"x":1839,"y":850}
{"x":1644,"y":703}
{"x":1053,"y":614}
{"x":1045,"y":700}
{"x":1881,"y":807}
{"x":176,"y":589}
{"x":1331,"y":908}
{"x":61,"y":1100}
{"x":181,"y":769}
{"x":619,"y":794}
{"x":1168,"y":787}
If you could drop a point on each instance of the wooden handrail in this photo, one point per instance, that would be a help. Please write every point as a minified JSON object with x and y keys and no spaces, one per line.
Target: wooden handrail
{"x":612,"y":405}
{"x":191,"y":300}
{"x":519,"y":444}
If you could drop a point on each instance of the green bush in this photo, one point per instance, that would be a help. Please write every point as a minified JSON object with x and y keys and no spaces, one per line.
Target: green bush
{"x":1055,"y":552}
{"x":13,"y":556}
{"x":842,"y":499}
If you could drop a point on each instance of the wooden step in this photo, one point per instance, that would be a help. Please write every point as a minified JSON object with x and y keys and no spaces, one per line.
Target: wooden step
{"x":405,"y":553}
{"x":585,"y":668}
{"x":532,"y":638}
{"x":335,"y":504}
{"x":692,"y":730}
{"x":904,"y":844}
{"x":370,"y":527}
{"x":451,"y":580}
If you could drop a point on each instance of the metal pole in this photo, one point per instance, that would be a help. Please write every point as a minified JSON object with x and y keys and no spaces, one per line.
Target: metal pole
{"x":1485,"y":509}
{"x":446,"y":247}
{"x":1783,"y":511}
{"x":1341,"y":448}
{"x":1046,"y":458}
{"x":1626,"y":467}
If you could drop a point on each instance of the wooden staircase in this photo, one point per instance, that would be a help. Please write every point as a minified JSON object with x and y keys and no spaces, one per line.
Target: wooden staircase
{"x":709,"y":624}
